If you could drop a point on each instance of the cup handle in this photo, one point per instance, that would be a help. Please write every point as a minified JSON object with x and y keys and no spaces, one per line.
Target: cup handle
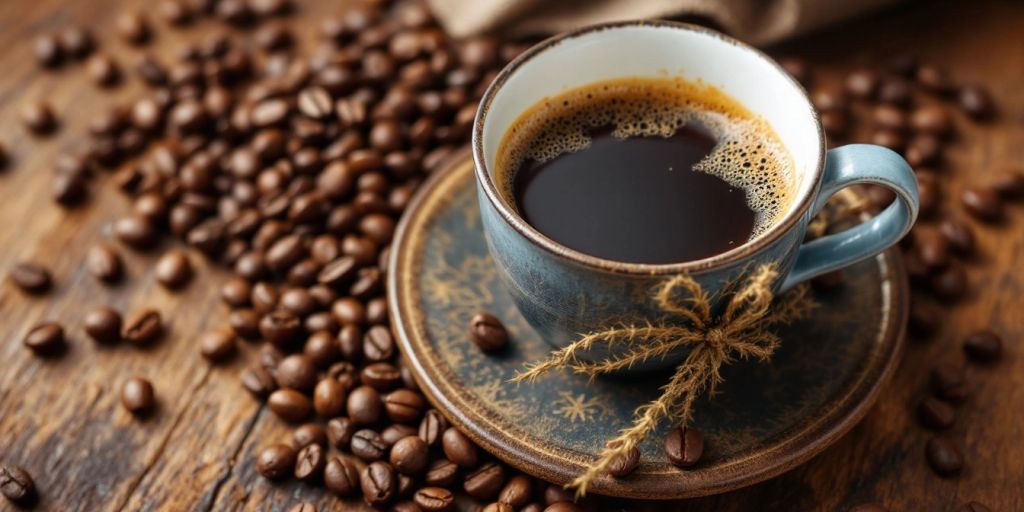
{"x":850,"y":165}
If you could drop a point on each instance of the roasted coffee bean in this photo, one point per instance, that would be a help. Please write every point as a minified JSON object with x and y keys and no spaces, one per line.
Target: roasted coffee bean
{"x":950,"y":283}
{"x":245,"y":323}
{"x":30,"y":277}
{"x":340,"y":431}
{"x":68,"y":189}
{"x":392,"y":433}
{"x":142,"y":327}
{"x":936,"y":414}
{"x":556,"y":493}
{"x":298,"y":301}
{"x":259,"y":382}
{"x":315,"y":102}
{"x":517,"y":492}
{"x":983,"y":203}
{"x":176,"y":12}
{"x":350,"y":342}
{"x":432,"y":427}
{"x":310,"y":463}
{"x":441,"y":473}
{"x":933,"y":79}
{"x":76,"y":42}
{"x":923,"y":149}
{"x":133,"y":28}
{"x":136,"y":232}
{"x":976,"y":102}
{"x":434,"y":499}
{"x":485,"y":482}
{"x":1008,"y":183}
{"x":959,"y":235}
{"x":381,"y":376}
{"x":378,"y":345}
{"x":459,"y":449}
{"x":46,"y":338}
{"x":896,"y":91}
{"x":264,"y":297}
{"x":949,"y":382}
{"x":48,"y":51}
{"x":931,"y":118}
{"x":341,"y":477}
{"x":102,"y":70}
{"x":349,"y":311}
{"x":154,"y":74}
{"x":410,"y":455}
{"x":829,"y":98}
{"x":379,"y":483}
{"x":217,"y":345}
{"x":322,"y":322}
{"x":276,"y":462}
{"x":338,"y":272}
{"x":329,"y":398}
{"x":39,"y":118}
{"x":17,"y":485}
{"x":944,"y":456}
{"x":889,"y":138}
{"x":403,"y":406}
{"x":378,"y":227}
{"x":297,"y":371}
{"x":622,"y":465}
{"x":289,"y":405}
{"x":173,"y":269}
{"x":684,"y":446}
{"x":103,"y":324}
{"x":280,"y":328}
{"x":932,"y":248}
{"x":368,"y":283}
{"x":983,"y":346}
{"x":137,"y":395}
{"x":321,"y":348}
{"x":862,"y":83}
{"x":309,"y":433}
{"x":488,"y":332}
{"x":364,"y":405}
{"x":235,"y":292}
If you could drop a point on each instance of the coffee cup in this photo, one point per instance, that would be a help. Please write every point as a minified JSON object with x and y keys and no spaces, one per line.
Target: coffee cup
{"x":564,"y":292}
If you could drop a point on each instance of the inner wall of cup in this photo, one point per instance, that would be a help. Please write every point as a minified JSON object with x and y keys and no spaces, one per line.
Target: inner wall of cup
{"x":658,"y":51}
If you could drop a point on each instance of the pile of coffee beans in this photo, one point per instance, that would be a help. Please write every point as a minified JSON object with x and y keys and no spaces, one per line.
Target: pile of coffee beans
{"x":910,"y":108}
{"x":290,"y":168}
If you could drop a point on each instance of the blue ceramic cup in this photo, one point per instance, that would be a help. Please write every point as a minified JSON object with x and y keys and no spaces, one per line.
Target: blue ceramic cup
{"x":563,"y":292}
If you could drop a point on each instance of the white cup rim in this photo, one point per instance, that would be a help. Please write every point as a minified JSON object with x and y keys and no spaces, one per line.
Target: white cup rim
{"x":790,"y":221}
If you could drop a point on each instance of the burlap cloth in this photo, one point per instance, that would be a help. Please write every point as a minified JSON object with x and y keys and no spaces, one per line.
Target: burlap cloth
{"x":755,"y":21}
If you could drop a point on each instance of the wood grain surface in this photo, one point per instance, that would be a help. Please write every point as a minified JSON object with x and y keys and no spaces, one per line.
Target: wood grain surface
{"x":61,"y":418}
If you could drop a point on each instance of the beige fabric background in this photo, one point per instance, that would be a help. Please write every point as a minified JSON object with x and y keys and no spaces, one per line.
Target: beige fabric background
{"x":754,"y":21}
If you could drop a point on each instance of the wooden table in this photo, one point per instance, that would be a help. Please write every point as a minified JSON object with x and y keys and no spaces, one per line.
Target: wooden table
{"x":61,"y":418}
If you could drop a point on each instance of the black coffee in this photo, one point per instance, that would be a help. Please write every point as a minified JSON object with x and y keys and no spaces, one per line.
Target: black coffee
{"x":644,"y":171}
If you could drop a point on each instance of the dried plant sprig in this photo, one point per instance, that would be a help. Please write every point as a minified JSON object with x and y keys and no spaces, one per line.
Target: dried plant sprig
{"x":741,"y":331}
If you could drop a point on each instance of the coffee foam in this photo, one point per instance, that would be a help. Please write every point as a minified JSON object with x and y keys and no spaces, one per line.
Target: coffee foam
{"x":748,"y":155}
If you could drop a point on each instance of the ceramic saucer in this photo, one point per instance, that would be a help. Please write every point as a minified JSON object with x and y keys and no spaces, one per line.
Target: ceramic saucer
{"x":765,"y":419}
